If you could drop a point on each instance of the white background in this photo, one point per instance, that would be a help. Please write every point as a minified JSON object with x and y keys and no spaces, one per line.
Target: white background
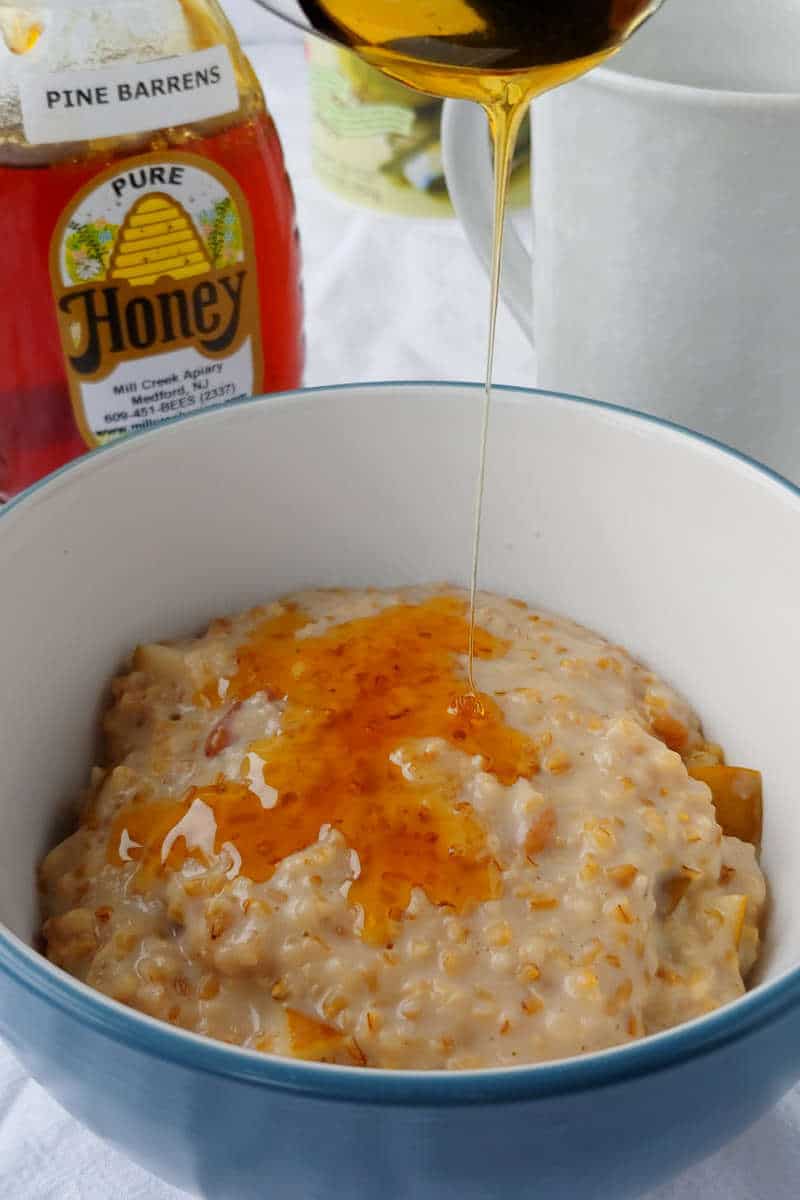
{"x":386,"y":298}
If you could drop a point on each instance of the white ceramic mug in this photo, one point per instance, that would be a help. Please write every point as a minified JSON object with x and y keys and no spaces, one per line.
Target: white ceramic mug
{"x":666,"y":263}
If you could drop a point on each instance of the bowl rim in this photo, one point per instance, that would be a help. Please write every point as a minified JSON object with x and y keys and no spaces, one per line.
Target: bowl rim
{"x":136,"y":1032}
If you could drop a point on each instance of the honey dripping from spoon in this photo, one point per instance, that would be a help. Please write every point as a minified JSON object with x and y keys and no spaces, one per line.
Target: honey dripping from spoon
{"x":500,"y":54}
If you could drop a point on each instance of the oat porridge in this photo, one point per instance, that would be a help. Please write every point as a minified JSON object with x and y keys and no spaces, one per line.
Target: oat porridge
{"x":308,"y":840}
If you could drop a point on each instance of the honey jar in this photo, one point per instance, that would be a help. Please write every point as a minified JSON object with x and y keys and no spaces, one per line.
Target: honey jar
{"x":151,"y":264}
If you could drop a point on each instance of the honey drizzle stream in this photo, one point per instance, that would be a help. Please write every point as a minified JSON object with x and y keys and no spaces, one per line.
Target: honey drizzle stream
{"x":505,"y":117}
{"x":505,"y":110}
{"x":456,"y":49}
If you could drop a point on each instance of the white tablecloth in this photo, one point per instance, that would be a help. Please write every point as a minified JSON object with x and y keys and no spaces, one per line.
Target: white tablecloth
{"x":386,"y":298}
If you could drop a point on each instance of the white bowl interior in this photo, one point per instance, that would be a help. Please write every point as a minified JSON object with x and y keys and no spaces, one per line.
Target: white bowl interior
{"x":685,"y":554}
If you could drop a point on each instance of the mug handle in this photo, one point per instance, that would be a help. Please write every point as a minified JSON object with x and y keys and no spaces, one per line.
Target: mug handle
{"x":468,"y":170}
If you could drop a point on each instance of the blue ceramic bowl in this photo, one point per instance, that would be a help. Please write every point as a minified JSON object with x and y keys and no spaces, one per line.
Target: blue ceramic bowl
{"x":682,"y":550}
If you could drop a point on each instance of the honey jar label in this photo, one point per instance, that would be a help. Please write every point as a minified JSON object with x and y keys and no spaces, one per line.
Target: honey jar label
{"x":75,"y":105}
{"x":154,"y":276}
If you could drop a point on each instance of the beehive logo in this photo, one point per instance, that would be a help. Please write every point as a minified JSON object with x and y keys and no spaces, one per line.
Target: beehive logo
{"x":157,"y":238}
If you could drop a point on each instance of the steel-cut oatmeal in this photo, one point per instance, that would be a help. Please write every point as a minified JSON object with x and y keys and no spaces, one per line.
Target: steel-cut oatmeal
{"x":308,"y":839}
